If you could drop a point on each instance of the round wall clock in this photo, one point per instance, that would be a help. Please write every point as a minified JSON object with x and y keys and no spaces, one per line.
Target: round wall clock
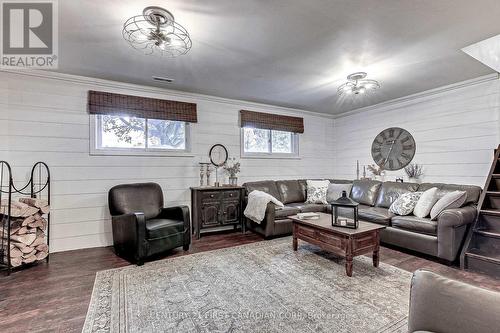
{"x":393,"y":148}
{"x":218,"y":155}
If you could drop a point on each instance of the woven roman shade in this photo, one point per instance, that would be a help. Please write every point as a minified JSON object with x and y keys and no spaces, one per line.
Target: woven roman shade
{"x":143,"y":107}
{"x":271,"y":121}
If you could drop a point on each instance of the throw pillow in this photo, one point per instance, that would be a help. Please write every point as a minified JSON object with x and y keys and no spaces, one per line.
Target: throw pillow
{"x":335,"y":191}
{"x":316,"y":191}
{"x":405,"y":204}
{"x":453,"y":199}
{"x":426,"y":202}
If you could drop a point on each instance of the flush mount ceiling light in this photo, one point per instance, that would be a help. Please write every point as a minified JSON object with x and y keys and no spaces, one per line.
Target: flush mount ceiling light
{"x":357,"y":84}
{"x":156,"y":32}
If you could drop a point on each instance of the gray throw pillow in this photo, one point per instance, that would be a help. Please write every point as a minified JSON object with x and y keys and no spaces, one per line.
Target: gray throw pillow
{"x":316,"y":191}
{"x":450,"y":200}
{"x":405,"y":203}
{"x":335,"y":191}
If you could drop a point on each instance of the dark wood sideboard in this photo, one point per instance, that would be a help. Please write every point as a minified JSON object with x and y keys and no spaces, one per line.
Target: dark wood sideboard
{"x":213,"y":207}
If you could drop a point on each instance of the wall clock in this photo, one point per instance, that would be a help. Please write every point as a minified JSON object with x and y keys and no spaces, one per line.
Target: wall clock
{"x":218,"y":155}
{"x":393,"y":148}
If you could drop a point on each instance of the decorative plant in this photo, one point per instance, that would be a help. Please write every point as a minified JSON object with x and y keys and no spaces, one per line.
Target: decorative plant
{"x":232,"y":167}
{"x":376,"y":170}
{"x":414,"y":170}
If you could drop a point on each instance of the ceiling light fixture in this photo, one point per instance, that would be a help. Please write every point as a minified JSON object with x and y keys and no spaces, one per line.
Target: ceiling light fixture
{"x":357,"y":84}
{"x":156,"y":32}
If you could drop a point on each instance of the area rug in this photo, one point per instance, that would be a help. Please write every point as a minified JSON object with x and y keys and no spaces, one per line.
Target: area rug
{"x":260,"y":287}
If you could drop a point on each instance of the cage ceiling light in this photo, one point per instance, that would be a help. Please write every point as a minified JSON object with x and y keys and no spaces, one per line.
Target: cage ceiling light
{"x":357,"y":84}
{"x":156,"y":32}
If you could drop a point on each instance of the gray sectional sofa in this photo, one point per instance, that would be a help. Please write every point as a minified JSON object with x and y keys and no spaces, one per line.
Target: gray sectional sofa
{"x":442,"y":238}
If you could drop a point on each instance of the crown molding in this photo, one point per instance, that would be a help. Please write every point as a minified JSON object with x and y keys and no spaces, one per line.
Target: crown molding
{"x":422,"y":95}
{"x":95,"y":82}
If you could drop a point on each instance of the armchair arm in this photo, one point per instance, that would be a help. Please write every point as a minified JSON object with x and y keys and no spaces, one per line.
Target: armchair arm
{"x":438,"y":304}
{"x":180,"y":213}
{"x":457,"y":217}
{"x":129,"y":234}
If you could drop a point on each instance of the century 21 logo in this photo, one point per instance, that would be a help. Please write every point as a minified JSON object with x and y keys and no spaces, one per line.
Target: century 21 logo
{"x":27,"y":28}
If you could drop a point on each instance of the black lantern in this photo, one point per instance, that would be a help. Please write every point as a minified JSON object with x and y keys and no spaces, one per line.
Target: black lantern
{"x":347,"y":205}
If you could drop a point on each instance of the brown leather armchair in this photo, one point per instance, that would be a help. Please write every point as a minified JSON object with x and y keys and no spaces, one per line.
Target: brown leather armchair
{"x":141,"y":226}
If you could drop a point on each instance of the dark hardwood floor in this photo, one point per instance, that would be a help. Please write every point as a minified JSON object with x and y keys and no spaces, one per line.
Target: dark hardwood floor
{"x":54,"y":297}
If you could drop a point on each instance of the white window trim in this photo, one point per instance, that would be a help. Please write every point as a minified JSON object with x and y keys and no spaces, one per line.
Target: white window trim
{"x":294,"y":155}
{"x":95,"y":138}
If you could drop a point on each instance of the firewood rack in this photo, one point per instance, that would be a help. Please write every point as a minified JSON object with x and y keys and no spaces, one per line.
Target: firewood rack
{"x":37,"y":187}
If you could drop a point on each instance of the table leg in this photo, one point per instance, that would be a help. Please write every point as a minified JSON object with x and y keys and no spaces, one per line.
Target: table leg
{"x":349,"y":256}
{"x":348,"y":265}
{"x":376,"y":258}
{"x":294,"y":237}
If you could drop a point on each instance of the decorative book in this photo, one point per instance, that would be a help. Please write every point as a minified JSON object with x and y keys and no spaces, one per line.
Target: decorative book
{"x":308,"y":216}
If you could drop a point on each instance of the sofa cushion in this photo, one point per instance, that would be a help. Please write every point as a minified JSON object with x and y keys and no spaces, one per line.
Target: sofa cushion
{"x":316,"y":191}
{"x":307,"y":207}
{"x":415,"y":224}
{"x":365,"y":191}
{"x":290,"y":191}
{"x":405,"y":204}
{"x":268,"y":186}
{"x":160,"y":228}
{"x":377,"y":215}
{"x":335,"y":191}
{"x":390,"y":191}
{"x":426,"y":202}
{"x":450,"y":200}
{"x":284,"y":212}
{"x":473,"y":192}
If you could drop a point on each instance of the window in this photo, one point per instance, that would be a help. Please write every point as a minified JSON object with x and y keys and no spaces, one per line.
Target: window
{"x":262,"y":142}
{"x":124,"y":135}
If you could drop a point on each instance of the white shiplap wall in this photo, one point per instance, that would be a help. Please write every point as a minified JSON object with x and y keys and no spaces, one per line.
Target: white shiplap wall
{"x":43,"y":117}
{"x":455,"y":128}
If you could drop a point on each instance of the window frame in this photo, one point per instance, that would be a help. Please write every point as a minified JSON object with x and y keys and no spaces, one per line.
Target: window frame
{"x":96,"y":139}
{"x":295,"y":154}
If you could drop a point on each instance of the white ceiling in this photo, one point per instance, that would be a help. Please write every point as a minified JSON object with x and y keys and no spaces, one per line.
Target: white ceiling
{"x":292,"y":53}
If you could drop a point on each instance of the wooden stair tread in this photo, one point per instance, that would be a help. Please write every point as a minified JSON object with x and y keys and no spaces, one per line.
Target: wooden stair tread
{"x":481,"y":255}
{"x":493,"y":193}
{"x":488,"y":233}
{"x":490,"y":212}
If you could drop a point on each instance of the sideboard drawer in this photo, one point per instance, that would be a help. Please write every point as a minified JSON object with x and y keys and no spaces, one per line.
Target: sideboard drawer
{"x":231,"y":194}
{"x":209,"y":196}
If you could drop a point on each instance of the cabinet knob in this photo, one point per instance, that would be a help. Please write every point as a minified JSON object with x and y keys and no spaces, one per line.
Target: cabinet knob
{"x":211,"y":195}
{"x":230,"y":194}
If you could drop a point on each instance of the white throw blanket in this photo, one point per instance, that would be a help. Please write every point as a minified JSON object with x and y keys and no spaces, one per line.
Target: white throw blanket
{"x":257,"y":203}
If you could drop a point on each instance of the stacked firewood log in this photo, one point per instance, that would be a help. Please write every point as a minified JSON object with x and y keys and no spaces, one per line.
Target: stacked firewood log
{"x":27,"y":230}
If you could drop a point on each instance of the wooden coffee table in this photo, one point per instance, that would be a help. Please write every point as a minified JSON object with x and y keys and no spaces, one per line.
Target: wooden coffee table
{"x":343,"y":242}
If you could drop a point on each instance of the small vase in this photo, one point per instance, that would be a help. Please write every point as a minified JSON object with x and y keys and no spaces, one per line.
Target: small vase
{"x":233,"y":181}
